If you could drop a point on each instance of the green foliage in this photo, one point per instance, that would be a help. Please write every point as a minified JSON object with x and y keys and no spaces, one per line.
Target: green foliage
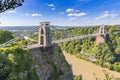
{"x":14,"y":61}
{"x":116,"y":66}
{"x":9,"y":4}
{"x":21,"y":42}
{"x":5,"y":67}
{"x":5,"y":36}
{"x":107,"y":76}
{"x":56,"y":72}
{"x":79,"y":77}
{"x":32,"y":75}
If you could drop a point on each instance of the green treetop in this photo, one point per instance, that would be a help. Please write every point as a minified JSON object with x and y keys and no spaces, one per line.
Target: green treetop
{"x":9,"y":4}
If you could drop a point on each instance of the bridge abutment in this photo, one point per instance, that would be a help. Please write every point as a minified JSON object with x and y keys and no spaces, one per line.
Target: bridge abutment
{"x":103,"y":33}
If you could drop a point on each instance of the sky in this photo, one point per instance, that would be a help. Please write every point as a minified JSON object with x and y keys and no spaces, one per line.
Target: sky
{"x":63,"y":13}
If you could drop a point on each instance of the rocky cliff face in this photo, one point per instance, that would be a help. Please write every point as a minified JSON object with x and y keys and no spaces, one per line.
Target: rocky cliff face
{"x":50,"y":64}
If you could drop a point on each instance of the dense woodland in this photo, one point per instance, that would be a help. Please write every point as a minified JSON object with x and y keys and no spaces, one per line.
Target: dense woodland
{"x":14,"y":60}
{"x":5,"y":36}
{"x":14,"y":63}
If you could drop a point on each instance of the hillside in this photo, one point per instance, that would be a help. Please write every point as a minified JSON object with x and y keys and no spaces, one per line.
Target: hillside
{"x":15,"y":64}
{"x":106,"y":54}
{"x":5,"y":36}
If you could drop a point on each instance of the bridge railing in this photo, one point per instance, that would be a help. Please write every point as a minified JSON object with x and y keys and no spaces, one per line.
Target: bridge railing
{"x":75,"y":38}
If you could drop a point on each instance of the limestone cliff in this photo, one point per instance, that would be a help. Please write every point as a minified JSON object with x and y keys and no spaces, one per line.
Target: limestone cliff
{"x":50,"y":64}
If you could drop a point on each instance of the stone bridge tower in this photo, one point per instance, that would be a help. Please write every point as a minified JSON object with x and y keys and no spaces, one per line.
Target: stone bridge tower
{"x":103,"y":33}
{"x":44,"y":37}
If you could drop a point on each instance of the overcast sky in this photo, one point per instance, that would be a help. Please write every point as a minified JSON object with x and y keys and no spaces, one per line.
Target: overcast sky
{"x":63,"y":12}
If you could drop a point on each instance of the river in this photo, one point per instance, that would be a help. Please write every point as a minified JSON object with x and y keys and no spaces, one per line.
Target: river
{"x":87,"y":69}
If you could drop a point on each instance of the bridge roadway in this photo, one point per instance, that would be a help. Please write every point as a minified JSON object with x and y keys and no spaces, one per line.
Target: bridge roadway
{"x":75,"y":38}
{"x":64,"y":40}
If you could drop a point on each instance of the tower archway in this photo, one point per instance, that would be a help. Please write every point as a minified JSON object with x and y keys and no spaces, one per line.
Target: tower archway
{"x":44,"y":38}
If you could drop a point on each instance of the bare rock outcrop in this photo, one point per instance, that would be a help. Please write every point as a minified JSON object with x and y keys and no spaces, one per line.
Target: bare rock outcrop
{"x":50,"y":64}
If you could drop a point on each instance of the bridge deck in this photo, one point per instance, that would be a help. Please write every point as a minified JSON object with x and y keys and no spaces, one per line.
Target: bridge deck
{"x":75,"y":38}
{"x":57,"y":41}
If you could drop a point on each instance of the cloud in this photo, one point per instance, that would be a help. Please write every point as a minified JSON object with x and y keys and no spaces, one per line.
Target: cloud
{"x":114,"y":15}
{"x":62,"y":13}
{"x":77,"y":14}
{"x":70,"y":10}
{"x":102,"y":16}
{"x":51,"y":5}
{"x":35,"y":14}
{"x":53,"y":8}
{"x":26,"y":14}
{"x":107,"y":14}
{"x":74,"y":18}
{"x":12,"y":11}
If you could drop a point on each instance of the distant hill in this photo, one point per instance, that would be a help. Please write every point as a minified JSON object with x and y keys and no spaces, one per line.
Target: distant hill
{"x":24,"y":28}
{"x":17,"y":28}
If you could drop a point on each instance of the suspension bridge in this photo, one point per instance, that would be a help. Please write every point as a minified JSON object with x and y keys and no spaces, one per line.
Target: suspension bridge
{"x":44,"y":37}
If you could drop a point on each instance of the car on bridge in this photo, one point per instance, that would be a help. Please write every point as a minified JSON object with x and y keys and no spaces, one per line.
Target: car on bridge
{"x":24,"y":47}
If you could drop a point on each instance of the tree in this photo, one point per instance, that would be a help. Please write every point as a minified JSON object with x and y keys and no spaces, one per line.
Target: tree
{"x":79,"y":77}
{"x":13,"y":62}
{"x":9,"y":4}
{"x":5,"y":67}
{"x":5,"y":36}
{"x":116,"y":66}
